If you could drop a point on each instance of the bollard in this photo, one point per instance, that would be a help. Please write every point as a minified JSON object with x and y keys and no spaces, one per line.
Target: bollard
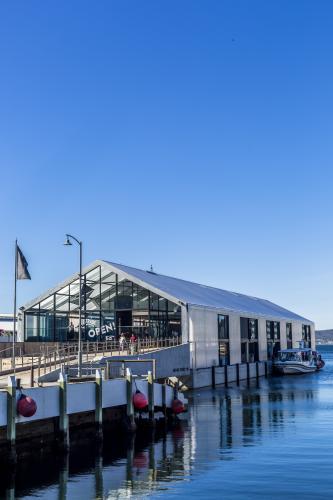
{"x":11,"y":413}
{"x":63,"y":417}
{"x":150,"y":380}
{"x":99,"y":403}
{"x":226,"y":375}
{"x":237,"y":373}
{"x":213,"y":377}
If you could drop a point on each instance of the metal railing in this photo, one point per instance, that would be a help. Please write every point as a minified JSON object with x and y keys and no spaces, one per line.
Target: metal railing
{"x":48,"y":358}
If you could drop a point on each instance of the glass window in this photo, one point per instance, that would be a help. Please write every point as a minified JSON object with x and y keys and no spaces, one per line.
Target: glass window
{"x":223,"y":327}
{"x":289,"y":334}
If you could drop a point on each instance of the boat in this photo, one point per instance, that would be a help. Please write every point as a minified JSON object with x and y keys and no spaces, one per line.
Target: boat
{"x":297,"y":361}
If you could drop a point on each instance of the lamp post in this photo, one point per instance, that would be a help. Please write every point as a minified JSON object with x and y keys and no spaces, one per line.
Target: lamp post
{"x":68,"y":242}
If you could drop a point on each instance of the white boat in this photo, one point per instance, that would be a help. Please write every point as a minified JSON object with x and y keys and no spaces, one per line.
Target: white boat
{"x":297,"y":361}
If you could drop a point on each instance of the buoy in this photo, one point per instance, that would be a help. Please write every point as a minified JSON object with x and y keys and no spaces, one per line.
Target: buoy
{"x":26,"y":406}
{"x":177,"y":406}
{"x":139,"y":400}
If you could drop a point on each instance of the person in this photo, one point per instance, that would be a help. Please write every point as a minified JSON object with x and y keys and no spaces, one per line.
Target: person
{"x":122,"y":341}
{"x":133,"y":342}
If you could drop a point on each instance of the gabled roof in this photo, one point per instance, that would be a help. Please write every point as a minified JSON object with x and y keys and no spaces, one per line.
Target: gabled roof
{"x":187,"y":292}
{"x":207,"y":296}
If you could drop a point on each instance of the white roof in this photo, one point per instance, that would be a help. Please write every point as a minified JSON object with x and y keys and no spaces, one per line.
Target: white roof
{"x":207,"y":296}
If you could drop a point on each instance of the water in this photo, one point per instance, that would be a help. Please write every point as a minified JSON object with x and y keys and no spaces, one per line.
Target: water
{"x":273,"y":440}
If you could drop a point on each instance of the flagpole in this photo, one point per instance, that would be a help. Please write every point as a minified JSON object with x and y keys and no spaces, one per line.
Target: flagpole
{"x":14,"y":330}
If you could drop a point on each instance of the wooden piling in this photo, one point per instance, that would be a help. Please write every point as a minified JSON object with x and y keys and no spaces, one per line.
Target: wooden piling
{"x":226,"y":375}
{"x":266,"y":369}
{"x":237,"y":373}
{"x":11,"y":411}
{"x":257,"y":370}
{"x":213,"y":377}
{"x":129,"y":397}
{"x":63,"y":417}
{"x":150,"y":380}
{"x":99,"y":403}
{"x":248,"y":372}
{"x":164,"y":406}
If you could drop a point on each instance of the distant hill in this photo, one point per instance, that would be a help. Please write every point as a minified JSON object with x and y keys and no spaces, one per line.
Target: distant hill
{"x":324,"y":336}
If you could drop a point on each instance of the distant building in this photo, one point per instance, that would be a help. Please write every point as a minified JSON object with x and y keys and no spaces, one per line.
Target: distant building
{"x":223,"y":327}
{"x":6,"y":326}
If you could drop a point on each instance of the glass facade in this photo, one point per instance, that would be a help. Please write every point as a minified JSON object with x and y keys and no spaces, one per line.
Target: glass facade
{"x":289,"y":334}
{"x":249,"y":340}
{"x":223,"y":336}
{"x":110,"y":306}
{"x":306,"y":335}
{"x":273,"y":338}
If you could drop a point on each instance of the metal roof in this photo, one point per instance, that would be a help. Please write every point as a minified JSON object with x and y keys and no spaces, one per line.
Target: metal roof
{"x":187,"y":292}
{"x":207,"y":296}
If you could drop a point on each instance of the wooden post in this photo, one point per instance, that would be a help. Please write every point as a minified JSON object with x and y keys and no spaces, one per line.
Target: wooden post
{"x":226,"y":375}
{"x":150,"y":380}
{"x":11,"y":415}
{"x":248,"y":372}
{"x":63,"y":417}
{"x":237,"y":373}
{"x":266,"y":370}
{"x":164,"y":406}
{"x":213,"y":377}
{"x":257,"y":370}
{"x":32,"y":375}
{"x":107,"y":371}
{"x":129,"y":396}
{"x":98,"y":403}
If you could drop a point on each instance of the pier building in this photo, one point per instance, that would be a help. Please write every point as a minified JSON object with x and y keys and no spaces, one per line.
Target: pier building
{"x":222,"y":327}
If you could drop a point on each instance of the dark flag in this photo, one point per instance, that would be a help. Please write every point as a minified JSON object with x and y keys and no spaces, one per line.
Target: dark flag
{"x":22,"y":272}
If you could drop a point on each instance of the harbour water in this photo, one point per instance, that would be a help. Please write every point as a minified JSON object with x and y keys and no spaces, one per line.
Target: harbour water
{"x":273,"y":439}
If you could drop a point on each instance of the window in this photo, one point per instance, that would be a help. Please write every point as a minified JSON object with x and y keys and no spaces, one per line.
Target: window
{"x":223,"y":338}
{"x":289,"y":334}
{"x":249,"y":340}
{"x":273,"y":338}
{"x":306,"y":335}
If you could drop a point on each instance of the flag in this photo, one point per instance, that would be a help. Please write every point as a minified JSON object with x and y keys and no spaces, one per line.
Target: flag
{"x":22,"y":272}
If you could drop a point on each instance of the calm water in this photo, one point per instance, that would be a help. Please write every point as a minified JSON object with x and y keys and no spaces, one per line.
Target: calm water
{"x":270,"y":441}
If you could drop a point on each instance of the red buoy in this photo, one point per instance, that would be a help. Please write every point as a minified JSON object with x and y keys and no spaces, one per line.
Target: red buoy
{"x":139,"y":400}
{"x":177,"y":406}
{"x":26,"y":406}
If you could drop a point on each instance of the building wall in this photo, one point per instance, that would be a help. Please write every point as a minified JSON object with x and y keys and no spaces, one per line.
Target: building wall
{"x":203,"y":335}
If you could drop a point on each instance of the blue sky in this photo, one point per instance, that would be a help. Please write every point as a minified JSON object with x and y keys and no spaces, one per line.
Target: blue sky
{"x":194,"y":136}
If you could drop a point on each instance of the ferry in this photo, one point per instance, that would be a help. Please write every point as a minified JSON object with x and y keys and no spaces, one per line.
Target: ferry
{"x":297,"y":361}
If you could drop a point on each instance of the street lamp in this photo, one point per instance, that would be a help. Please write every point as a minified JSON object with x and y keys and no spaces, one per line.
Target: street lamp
{"x":68,"y":242}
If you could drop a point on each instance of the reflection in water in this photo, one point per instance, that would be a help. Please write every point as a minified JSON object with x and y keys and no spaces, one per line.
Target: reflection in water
{"x":219,"y":438}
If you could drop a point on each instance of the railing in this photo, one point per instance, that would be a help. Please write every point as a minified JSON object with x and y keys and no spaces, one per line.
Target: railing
{"x":49,"y":358}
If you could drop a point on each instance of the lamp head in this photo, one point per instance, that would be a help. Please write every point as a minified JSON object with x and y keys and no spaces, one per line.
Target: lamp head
{"x":68,"y":242}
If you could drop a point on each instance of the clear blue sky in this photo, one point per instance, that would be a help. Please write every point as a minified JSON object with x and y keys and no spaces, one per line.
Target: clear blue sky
{"x":192,"y":135}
